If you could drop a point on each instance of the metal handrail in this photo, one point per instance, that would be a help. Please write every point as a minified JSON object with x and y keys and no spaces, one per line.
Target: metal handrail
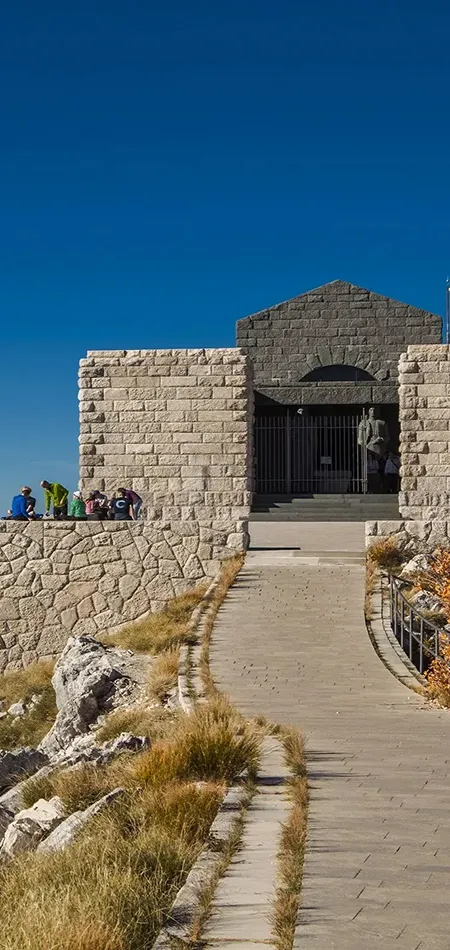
{"x":418,"y":637}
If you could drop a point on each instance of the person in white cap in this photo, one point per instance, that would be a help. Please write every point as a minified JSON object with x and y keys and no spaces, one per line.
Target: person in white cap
{"x":77,"y":506}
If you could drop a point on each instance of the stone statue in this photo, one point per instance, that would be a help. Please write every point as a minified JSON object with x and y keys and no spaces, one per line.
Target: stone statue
{"x":373,"y":433}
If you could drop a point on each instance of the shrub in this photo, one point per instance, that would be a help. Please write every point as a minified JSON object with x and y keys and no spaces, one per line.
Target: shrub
{"x":438,"y":674}
{"x":386,"y":554}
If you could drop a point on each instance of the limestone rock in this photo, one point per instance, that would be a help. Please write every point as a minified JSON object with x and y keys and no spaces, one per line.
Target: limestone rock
{"x":414,"y":566}
{"x":18,"y":763}
{"x":29,"y":826}
{"x":84,"y":681}
{"x":65,"y":832}
{"x":17,"y":709}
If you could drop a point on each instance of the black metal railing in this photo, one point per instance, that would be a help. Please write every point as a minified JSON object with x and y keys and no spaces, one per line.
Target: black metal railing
{"x":418,"y":637}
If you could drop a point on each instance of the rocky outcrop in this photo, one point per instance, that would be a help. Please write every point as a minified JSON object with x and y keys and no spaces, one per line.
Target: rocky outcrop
{"x":66,"y":831}
{"x":31,"y":825}
{"x":18,"y":763}
{"x":87,"y":679}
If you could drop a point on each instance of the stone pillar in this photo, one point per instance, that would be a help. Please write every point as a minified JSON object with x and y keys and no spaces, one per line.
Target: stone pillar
{"x":424,"y":374}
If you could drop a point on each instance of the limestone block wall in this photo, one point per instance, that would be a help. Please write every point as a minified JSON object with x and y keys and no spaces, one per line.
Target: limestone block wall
{"x":175,"y":425}
{"x":424,"y":374}
{"x":65,"y":578}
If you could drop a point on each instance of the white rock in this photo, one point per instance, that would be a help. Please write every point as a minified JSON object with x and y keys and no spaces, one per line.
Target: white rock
{"x":29,"y":826}
{"x":66,"y":831}
{"x":17,"y":709}
{"x":84,"y":680}
{"x":415,"y":566}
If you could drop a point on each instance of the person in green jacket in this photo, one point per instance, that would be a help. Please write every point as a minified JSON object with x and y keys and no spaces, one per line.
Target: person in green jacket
{"x":77,"y":507}
{"x":58,"y":495}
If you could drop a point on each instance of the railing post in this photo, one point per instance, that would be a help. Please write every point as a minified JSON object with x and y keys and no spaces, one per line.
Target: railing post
{"x":421,"y":647}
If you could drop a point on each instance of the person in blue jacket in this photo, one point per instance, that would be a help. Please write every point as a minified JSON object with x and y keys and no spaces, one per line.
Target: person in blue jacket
{"x":21,"y":510}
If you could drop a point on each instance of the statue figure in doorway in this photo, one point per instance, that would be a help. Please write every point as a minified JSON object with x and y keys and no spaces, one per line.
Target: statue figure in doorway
{"x":373,"y":433}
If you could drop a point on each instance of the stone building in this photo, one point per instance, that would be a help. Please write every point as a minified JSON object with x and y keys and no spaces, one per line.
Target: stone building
{"x":320,"y":361}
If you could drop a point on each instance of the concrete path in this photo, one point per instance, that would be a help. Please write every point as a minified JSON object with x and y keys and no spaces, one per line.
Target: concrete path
{"x":240,"y":917}
{"x":291,"y":642}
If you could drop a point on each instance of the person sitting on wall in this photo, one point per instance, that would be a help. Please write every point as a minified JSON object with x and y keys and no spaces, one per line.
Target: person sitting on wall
{"x":20,"y":506}
{"x":121,"y":506}
{"x":91,"y":508}
{"x":77,"y":507}
{"x":31,"y":503}
{"x":135,"y":501}
{"x":101,"y":505}
{"x":58,"y":495}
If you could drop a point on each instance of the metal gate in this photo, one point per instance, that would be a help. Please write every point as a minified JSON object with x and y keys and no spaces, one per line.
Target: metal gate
{"x":300,"y":454}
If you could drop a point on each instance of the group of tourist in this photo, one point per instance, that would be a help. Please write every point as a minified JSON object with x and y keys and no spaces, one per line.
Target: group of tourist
{"x":125,"y":505}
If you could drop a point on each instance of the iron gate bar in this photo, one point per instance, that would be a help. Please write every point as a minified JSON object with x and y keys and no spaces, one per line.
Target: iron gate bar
{"x":307,"y":454}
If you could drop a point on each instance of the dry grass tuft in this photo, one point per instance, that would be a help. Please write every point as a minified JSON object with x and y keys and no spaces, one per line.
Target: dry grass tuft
{"x":292,"y":849}
{"x":23,"y":684}
{"x":140,"y":720}
{"x":163,"y":675}
{"x":113,"y":885}
{"x":164,"y":630}
{"x":29,"y":729}
{"x":386,"y":554}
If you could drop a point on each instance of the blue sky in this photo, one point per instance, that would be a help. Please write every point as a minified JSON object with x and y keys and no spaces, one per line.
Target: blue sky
{"x":168,"y":168}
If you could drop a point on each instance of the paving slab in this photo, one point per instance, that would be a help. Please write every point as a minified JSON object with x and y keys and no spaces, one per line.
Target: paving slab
{"x":290,"y":642}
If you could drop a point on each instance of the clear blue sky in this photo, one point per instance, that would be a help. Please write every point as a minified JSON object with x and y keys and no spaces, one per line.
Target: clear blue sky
{"x":167,"y":168}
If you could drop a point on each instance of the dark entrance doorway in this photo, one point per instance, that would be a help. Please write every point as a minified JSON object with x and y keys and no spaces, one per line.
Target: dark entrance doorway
{"x":312,"y":451}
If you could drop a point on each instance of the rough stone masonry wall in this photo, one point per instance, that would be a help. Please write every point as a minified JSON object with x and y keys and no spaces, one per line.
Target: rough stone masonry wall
{"x":62,"y":578}
{"x":176,"y":425}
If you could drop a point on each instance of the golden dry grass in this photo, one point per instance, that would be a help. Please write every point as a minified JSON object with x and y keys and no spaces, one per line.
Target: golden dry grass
{"x":292,"y":845}
{"x":161,"y":631}
{"x":386,"y":554}
{"x":29,"y":729}
{"x":113,"y":885}
{"x":140,"y":720}
{"x":163,"y":674}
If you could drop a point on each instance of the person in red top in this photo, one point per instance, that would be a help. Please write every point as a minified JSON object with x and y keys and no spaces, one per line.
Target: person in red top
{"x":134,"y":499}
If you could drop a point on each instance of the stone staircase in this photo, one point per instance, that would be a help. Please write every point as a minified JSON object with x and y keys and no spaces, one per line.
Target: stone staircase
{"x":325,"y":508}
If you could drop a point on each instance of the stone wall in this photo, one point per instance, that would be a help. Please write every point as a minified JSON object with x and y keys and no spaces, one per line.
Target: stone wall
{"x":411,"y":536}
{"x":175,"y":425}
{"x":338,"y":323}
{"x":62,"y":578}
{"x":425,"y":433}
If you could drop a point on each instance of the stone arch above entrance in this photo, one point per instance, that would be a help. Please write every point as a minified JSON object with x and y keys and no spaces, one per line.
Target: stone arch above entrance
{"x":338,"y":373}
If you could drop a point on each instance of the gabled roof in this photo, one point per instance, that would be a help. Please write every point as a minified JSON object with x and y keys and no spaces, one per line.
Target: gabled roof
{"x":340,"y":287}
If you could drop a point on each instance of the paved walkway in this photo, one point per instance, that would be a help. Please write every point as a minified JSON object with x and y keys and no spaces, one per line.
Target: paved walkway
{"x":240,"y":915}
{"x":291,"y":642}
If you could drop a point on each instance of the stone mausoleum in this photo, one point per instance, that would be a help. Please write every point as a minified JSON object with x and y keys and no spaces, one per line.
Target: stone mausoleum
{"x":320,"y":361}
{"x":196,"y":432}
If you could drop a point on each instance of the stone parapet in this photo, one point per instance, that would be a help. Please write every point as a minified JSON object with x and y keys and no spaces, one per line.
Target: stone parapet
{"x":424,"y":376}
{"x":63,"y":578}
